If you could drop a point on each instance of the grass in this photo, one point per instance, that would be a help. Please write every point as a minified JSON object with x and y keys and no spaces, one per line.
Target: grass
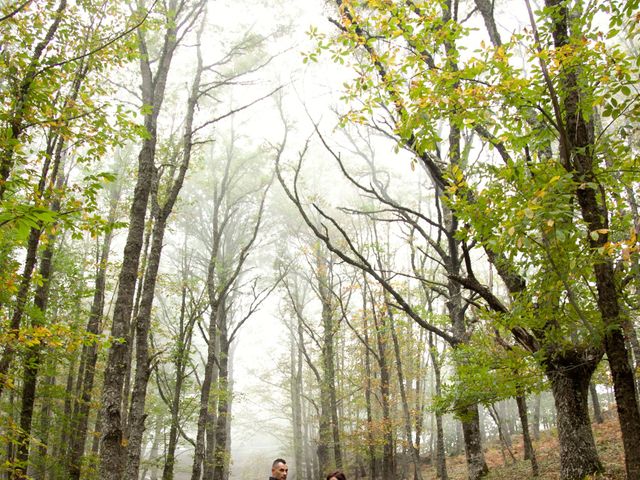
{"x":608,"y":441}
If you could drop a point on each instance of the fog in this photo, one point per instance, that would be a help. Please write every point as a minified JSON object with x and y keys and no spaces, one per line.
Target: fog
{"x":369,"y":236}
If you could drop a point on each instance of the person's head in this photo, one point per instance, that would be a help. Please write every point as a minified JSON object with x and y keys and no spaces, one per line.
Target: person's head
{"x":337,"y":475}
{"x":279,"y":469}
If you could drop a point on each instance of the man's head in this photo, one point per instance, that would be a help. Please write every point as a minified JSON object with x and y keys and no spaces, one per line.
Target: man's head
{"x":337,"y":475}
{"x":279,"y":469}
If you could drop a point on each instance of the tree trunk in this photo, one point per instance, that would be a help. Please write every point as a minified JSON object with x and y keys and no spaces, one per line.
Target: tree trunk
{"x":183,"y":343}
{"x":153,"y":453}
{"x":296,"y":392}
{"x":205,"y":393}
{"x":371,"y":444}
{"x":309,"y":453}
{"x":21,"y":300}
{"x":577,"y":154}
{"x":326,"y":454}
{"x":388,"y":458}
{"x":220,"y":460}
{"x":43,"y":462}
{"x":34,"y":357}
{"x":153,"y":88}
{"x":505,"y":440}
{"x":630,"y":331}
{"x":570,"y":384}
{"x":208,"y":462}
{"x":89,"y":355}
{"x":143,"y":320}
{"x":535,"y":426}
{"x":597,"y":412}
{"x":529,"y":452}
{"x":413,"y":451}
{"x":476,"y":465}
{"x":111,"y":459}
{"x":441,"y":460}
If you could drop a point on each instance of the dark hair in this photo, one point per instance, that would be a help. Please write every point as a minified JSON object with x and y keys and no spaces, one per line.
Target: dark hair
{"x":277,"y":461}
{"x":338,"y":475}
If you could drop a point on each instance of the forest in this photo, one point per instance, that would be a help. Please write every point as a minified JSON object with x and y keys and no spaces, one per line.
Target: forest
{"x":381,"y":236}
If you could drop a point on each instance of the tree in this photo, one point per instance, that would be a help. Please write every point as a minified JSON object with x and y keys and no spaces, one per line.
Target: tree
{"x":458,"y":95}
{"x":153,"y":90}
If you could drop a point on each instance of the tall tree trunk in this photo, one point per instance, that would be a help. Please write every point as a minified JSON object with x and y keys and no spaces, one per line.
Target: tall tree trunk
{"x":131,"y":336}
{"x":32,"y":366}
{"x":441,"y":460}
{"x":296,"y":392}
{"x":420,"y":394}
{"x":89,"y":355}
{"x":221,"y":462}
{"x":43,"y":463}
{"x":577,"y":142}
{"x":371,"y":443}
{"x":388,"y":458}
{"x":459,"y":444}
{"x":153,"y":88}
{"x":413,"y":451}
{"x":208,"y":461}
{"x":597,"y":412}
{"x":34,"y":352}
{"x":505,"y":439}
{"x":205,"y":392}
{"x":630,"y":330}
{"x":183,"y":343}
{"x":529,"y":452}
{"x":143,"y":320}
{"x":153,"y":453}
{"x":21,"y":301}
{"x":476,"y":464}
{"x":535,"y":426}
{"x":326,"y":454}
{"x":570,"y":384}
{"x":309,"y":453}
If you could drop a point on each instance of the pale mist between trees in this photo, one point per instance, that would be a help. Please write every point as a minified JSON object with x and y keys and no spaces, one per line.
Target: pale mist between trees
{"x":396,"y":239}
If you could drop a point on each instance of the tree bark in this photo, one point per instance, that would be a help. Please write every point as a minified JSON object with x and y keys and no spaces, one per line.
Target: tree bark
{"x":529,"y":452}
{"x":388,"y":457}
{"x":476,"y":465}
{"x":535,"y":427}
{"x":40,"y":303}
{"x":89,"y":355}
{"x":371,"y":449}
{"x":597,"y":412}
{"x":211,"y":369}
{"x":143,"y":320}
{"x":21,"y":300}
{"x":43,"y":463}
{"x":577,"y":154}
{"x":153,"y":89}
{"x":183,"y":344}
{"x":32,"y":367}
{"x":220,"y":459}
{"x":570,"y":383}
{"x":413,"y":451}
{"x":296,"y":392}
{"x":441,"y":460}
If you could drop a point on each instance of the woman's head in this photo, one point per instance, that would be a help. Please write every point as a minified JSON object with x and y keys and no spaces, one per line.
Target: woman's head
{"x":337,"y":475}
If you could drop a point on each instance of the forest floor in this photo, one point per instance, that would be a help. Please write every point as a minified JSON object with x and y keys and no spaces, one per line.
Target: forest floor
{"x":608,"y":441}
